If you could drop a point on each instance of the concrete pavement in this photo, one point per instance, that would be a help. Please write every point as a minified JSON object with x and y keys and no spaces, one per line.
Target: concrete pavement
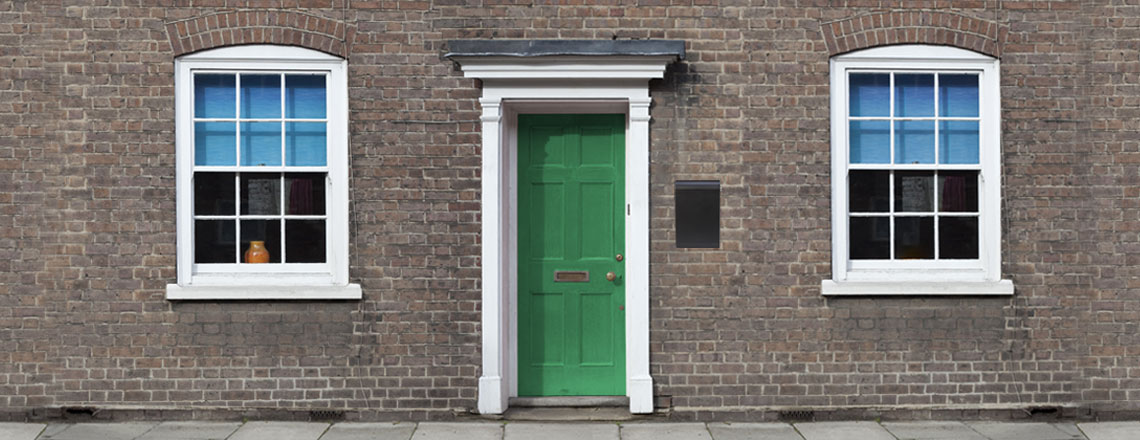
{"x":479,"y":430}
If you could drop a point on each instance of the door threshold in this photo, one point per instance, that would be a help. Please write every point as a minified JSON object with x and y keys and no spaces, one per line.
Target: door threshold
{"x":569,"y":401}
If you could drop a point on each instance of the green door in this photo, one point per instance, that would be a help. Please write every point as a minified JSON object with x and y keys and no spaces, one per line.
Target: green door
{"x":571,"y":227}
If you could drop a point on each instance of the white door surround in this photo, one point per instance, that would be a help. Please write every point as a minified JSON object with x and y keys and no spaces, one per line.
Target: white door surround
{"x":559,"y":84}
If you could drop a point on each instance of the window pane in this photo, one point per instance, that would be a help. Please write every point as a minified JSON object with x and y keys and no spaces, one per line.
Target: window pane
{"x":914,"y":238}
{"x":914,"y":142}
{"x":214,"y":96}
{"x":214,"y":241}
{"x":261,"y":96}
{"x":305,"y":96}
{"x":958,"y":95}
{"x":870,"y":191}
{"x":870,"y":94}
{"x":914,"y":191}
{"x":305,"y":193}
{"x":260,"y":194}
{"x":214,"y":143}
{"x":305,"y":144}
{"x":870,"y":238}
{"x":213,"y":193}
{"x":261,"y":143}
{"x":958,"y":191}
{"x":870,"y":142}
{"x":914,"y":95}
{"x":958,"y":142}
{"x":268,"y":231}
{"x":958,"y":238}
{"x":305,"y":241}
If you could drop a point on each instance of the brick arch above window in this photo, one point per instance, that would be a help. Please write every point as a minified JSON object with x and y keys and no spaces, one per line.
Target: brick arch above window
{"x":285,"y":28}
{"x":914,"y":27}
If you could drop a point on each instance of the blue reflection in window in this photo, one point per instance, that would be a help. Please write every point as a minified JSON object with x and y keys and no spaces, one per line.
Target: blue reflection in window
{"x":870,"y":94}
{"x":958,"y":95}
{"x":261,"y":96}
{"x":870,"y":141}
{"x":914,"y":95}
{"x":958,"y":142}
{"x":305,"y":96}
{"x":214,"y":95}
{"x":214,"y":143}
{"x":261,"y":143}
{"x":914,"y":142}
{"x":305,"y":144}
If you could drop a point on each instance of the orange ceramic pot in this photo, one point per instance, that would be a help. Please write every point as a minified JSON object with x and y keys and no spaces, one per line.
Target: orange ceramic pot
{"x":257,"y":253}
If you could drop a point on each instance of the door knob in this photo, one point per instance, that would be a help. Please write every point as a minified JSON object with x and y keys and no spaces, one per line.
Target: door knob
{"x":610,"y":276}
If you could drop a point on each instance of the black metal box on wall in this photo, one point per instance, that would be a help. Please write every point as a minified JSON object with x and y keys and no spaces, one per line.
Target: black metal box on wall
{"x":697,"y":209}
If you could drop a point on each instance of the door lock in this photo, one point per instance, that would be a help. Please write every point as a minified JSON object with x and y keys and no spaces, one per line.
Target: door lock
{"x":619,"y":257}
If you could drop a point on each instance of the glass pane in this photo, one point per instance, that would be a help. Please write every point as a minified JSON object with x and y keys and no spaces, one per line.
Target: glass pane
{"x":261,"y":143}
{"x":914,"y":95}
{"x":213,"y":193}
{"x":268,"y":231}
{"x":304,"y":96}
{"x":870,"y":142}
{"x":214,"y":96}
{"x":958,"y":191}
{"x":305,"y":241}
{"x":958,"y":238}
{"x":870,"y":191}
{"x":914,"y":238}
{"x":214,"y":143}
{"x":914,"y":191}
{"x":914,"y":142}
{"x":261,"y":96}
{"x":260,"y":194}
{"x":958,"y":95}
{"x":870,"y":94}
{"x":870,"y":238}
{"x":214,"y":241}
{"x":305,"y":144}
{"x":958,"y":142}
{"x":305,"y":194}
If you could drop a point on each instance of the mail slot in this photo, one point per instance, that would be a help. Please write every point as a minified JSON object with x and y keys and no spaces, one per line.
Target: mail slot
{"x":571,"y":276}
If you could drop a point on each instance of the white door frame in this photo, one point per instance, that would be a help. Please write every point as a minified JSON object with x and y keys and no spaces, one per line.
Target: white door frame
{"x":559,"y":85}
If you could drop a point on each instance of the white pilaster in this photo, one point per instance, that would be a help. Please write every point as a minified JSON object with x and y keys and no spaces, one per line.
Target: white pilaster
{"x":492,"y":388}
{"x":639,"y":384}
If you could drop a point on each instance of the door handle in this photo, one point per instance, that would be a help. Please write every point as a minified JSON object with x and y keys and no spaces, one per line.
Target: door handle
{"x":610,"y":276}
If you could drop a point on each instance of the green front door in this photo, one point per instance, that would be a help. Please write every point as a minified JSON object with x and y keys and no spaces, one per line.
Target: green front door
{"x":571,"y":227}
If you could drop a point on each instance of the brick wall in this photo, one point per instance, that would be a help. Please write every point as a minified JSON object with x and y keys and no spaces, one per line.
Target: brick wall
{"x":87,"y":224}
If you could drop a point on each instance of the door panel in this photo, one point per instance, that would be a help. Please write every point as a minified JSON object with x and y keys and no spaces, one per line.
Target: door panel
{"x":571,"y":218}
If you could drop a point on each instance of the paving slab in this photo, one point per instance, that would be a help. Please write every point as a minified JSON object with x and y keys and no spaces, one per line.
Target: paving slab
{"x":1069,"y":428}
{"x":55,"y":428}
{"x":100,"y":431}
{"x":370,"y":431}
{"x":932,"y":431}
{"x":1021,"y":431}
{"x":458,"y":431}
{"x":561,"y":431}
{"x":843,"y":430}
{"x":1111,"y":430}
{"x":280,"y":431}
{"x":665,"y":431}
{"x":21,"y":431}
{"x":753,"y":431}
{"x":191,"y":431}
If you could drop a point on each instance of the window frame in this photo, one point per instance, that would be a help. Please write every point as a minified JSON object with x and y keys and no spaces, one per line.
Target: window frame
{"x":213,"y":281}
{"x":919,"y":277}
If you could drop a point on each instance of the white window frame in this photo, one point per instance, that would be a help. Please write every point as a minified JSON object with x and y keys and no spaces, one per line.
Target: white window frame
{"x":915,"y":277}
{"x":278,"y":281}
